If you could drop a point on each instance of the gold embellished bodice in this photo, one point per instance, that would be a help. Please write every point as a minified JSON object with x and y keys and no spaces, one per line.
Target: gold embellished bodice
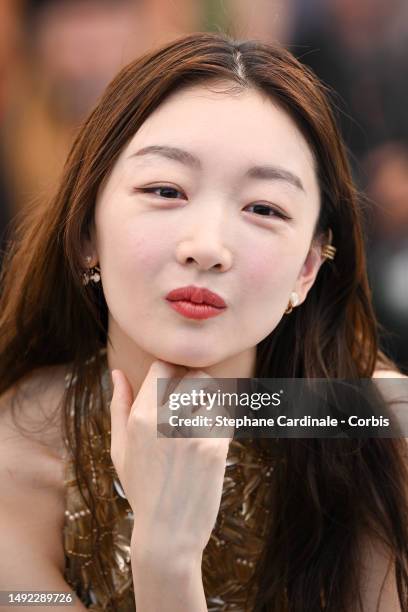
{"x":229,"y":558}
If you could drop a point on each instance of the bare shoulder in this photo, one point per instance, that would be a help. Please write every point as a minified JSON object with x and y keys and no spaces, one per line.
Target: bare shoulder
{"x":388,"y":374}
{"x":32,"y":464}
{"x":378,"y":585}
{"x":32,"y":407}
{"x":393,"y":385}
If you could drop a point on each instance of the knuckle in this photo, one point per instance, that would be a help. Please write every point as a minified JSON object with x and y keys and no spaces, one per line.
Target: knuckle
{"x":160,"y":369}
{"x":197,"y":374}
{"x":138,"y":421}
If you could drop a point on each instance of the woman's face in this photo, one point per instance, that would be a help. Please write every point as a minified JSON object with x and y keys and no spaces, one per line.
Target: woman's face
{"x":216,"y":190}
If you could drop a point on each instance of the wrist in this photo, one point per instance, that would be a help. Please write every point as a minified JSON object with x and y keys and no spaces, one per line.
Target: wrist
{"x":177,"y":556}
{"x":166,"y":581}
{"x":165,"y":560}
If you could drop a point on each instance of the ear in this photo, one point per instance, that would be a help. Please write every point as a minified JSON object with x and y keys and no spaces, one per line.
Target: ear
{"x":310,"y":268}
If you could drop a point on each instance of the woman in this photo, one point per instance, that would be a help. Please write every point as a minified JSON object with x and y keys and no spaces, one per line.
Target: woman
{"x":214,"y":165}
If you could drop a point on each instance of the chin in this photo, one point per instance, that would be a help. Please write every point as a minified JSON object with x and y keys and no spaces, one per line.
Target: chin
{"x":189,"y":359}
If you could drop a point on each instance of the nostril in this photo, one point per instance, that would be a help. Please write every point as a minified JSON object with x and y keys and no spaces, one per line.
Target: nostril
{"x":216,"y":266}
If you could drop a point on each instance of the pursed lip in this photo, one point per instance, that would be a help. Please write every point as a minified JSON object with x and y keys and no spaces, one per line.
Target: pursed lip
{"x":196,"y":295}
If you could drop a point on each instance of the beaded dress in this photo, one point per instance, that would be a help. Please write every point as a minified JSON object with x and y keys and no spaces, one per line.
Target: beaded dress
{"x":229,"y":558}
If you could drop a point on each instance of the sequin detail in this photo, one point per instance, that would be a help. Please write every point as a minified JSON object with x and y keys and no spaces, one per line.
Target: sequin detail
{"x":230,"y":557}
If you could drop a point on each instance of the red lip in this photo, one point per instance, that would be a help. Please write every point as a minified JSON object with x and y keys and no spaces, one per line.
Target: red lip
{"x":195,"y":311}
{"x":196,"y":295}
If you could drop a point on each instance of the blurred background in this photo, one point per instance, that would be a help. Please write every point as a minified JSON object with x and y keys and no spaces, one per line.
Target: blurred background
{"x":57,"y":56}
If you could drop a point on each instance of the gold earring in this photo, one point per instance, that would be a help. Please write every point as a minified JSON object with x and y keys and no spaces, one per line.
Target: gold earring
{"x":328,"y":250}
{"x":91,"y":274}
{"x":293,"y":301}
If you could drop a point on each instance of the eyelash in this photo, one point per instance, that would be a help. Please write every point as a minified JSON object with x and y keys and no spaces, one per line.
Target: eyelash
{"x":153,"y":189}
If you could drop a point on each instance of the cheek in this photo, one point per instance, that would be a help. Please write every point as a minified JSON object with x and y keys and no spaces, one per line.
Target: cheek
{"x":269,"y":271}
{"x":132,"y":249}
{"x":269,"y":275}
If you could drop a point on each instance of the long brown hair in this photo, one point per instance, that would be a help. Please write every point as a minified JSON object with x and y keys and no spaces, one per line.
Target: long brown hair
{"x":48,"y":317}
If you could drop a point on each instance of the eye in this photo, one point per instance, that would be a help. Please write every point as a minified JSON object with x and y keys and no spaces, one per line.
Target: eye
{"x":164,"y":191}
{"x":170,"y":193}
{"x":267,"y":211}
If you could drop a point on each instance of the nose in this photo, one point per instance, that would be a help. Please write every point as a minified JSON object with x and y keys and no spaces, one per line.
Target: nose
{"x":204,"y":248}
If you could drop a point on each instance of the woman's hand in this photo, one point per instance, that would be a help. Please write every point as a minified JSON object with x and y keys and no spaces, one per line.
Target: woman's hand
{"x":174,"y":486}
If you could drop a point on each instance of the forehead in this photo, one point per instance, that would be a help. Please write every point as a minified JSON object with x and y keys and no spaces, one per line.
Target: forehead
{"x":221,"y":114}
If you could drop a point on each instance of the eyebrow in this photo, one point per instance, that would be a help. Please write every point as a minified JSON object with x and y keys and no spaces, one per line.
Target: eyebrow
{"x":263,"y":172}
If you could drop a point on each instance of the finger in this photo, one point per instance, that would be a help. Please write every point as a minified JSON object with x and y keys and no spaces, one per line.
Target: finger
{"x":179,"y":406}
{"x":152,"y":392}
{"x":197,"y":381}
{"x":177,"y":376}
{"x":120,"y":407}
{"x":223,"y":431}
